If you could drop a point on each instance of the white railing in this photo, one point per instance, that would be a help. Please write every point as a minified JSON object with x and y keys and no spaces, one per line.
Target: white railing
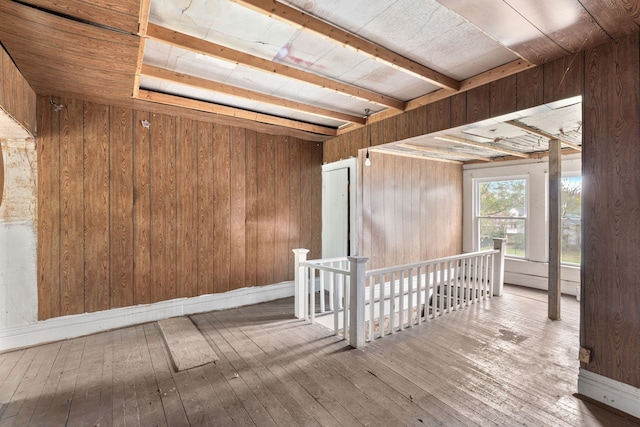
{"x":371,"y":304}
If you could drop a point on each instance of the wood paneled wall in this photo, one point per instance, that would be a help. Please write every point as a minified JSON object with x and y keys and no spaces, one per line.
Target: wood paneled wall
{"x":16,"y":96}
{"x":129,"y":215}
{"x":611,"y":211}
{"x":608,"y":79}
{"x":412,"y":210}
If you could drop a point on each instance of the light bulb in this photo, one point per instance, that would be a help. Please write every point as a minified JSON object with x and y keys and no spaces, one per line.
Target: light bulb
{"x":367,"y":161}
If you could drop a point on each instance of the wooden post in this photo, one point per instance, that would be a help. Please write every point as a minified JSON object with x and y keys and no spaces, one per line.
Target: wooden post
{"x":498,"y":266}
{"x":555,"y":234}
{"x":300,"y":255}
{"x":356,"y":297}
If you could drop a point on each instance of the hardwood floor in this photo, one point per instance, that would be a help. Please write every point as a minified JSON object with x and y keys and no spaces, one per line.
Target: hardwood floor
{"x":501,"y":363}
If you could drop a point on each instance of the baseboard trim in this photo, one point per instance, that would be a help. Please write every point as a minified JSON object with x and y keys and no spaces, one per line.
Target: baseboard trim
{"x":620,"y":396}
{"x":65,"y":327}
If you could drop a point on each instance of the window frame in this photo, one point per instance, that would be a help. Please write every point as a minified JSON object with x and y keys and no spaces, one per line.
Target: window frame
{"x":476,"y":210}
{"x":573,"y":175}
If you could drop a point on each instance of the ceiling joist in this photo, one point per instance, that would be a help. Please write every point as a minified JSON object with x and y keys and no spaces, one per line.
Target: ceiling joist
{"x":444,"y":152}
{"x":497,"y":73}
{"x":484,"y":146}
{"x":538,"y":132}
{"x":205,"y":47}
{"x":209,"y":107}
{"x":412,"y":155}
{"x":275,"y":9}
{"x":198,"y":82}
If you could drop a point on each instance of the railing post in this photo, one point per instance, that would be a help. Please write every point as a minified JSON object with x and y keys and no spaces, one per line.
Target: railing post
{"x":356,"y":297}
{"x":300,"y":300}
{"x":498,"y":266}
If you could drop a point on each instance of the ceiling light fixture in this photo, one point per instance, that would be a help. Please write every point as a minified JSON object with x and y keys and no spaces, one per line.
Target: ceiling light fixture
{"x":367,"y":159}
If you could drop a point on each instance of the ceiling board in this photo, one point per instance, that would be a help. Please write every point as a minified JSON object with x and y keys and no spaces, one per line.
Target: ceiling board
{"x":507,"y":26}
{"x":122,"y":14}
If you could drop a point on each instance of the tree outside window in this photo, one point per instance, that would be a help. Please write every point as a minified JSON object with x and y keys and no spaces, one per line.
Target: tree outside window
{"x":502,"y":212}
{"x":571,"y":219}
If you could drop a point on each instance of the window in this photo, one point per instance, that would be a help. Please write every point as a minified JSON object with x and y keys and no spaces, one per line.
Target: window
{"x":570,"y":194}
{"x":502,"y":212}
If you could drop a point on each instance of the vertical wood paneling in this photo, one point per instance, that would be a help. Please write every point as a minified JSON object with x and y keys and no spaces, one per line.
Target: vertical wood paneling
{"x":439,"y":115}
{"x":504,"y":96}
{"x":238,"y":192}
{"x":529,"y":88}
{"x":96,"y":208}
{"x":141,"y":210}
{"x":121,"y":206}
{"x":48,"y":211}
{"x":564,"y":77}
{"x":266,"y":208}
{"x":283,"y":208}
{"x":16,"y":96}
{"x":187,"y":208}
{"x":479,"y":103}
{"x":459,"y":109}
{"x":316,"y":199}
{"x":222,"y":207}
{"x":306,"y":199}
{"x":173,"y":210}
{"x":251,"y":231}
{"x":295,"y":197}
{"x":158,"y":171}
{"x":205,"y":208}
{"x":72,"y":239}
{"x":611,"y":202}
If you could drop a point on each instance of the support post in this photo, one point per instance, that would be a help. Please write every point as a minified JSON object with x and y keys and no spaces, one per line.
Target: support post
{"x":356,"y":303}
{"x":300,"y":297}
{"x":498,"y":266}
{"x":555,"y":234}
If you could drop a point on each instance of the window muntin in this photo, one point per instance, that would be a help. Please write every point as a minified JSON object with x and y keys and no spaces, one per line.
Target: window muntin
{"x":571,"y":219}
{"x":502,"y":211}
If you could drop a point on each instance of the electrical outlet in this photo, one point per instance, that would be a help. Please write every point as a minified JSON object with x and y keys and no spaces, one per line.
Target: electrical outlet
{"x":584,"y":355}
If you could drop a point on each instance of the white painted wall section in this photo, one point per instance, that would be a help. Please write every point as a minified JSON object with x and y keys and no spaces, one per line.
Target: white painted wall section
{"x":533,"y":271}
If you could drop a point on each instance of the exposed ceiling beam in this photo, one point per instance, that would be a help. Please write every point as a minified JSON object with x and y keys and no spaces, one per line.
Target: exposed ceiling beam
{"x":543,"y":134}
{"x":143,"y":23}
{"x":275,"y":9}
{"x":412,"y":155}
{"x":492,"y":75}
{"x":444,"y":152}
{"x":205,"y":47}
{"x":189,"y":80}
{"x":230,"y":111}
{"x":484,"y":146}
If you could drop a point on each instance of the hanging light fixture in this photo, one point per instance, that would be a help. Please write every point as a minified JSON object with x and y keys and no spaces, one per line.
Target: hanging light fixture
{"x":367,"y":159}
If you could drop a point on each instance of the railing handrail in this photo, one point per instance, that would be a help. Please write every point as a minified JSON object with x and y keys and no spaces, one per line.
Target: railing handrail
{"x":311,"y":264}
{"x":327,"y":260}
{"x":385,"y":270}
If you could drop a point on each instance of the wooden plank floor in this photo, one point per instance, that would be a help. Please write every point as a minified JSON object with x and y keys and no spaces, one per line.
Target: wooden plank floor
{"x":500,"y":363}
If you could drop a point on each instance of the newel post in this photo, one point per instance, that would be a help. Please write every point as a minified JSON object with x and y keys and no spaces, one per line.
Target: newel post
{"x":300,"y":255}
{"x":356,"y":301}
{"x":498,"y":266}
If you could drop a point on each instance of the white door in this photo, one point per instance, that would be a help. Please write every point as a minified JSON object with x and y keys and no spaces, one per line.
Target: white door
{"x":339,"y":230}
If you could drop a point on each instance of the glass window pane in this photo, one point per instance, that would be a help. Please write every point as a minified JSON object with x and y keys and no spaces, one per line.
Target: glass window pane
{"x":502,"y":198}
{"x":571,"y":221}
{"x":511,"y":229}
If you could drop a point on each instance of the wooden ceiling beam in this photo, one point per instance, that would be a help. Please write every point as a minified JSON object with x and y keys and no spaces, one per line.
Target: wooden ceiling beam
{"x":224,"y":110}
{"x":392,"y":152}
{"x":492,"y":75}
{"x":275,"y":9}
{"x":444,"y":152}
{"x":538,"y":132}
{"x":198,"y":82}
{"x":143,"y":23}
{"x":224,"y":53}
{"x":484,"y":146}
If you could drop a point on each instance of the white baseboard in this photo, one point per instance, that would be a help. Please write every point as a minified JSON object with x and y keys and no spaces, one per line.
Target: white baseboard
{"x":613,"y":393}
{"x":65,"y":327}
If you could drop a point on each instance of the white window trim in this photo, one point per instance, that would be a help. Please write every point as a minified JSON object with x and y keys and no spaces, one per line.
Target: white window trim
{"x":477,"y":217}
